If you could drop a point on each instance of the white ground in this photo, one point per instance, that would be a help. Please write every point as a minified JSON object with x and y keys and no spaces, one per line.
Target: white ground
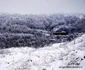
{"x":55,"y":57}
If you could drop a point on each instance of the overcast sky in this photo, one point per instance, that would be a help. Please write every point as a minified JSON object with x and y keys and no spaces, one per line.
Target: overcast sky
{"x":42,"y":6}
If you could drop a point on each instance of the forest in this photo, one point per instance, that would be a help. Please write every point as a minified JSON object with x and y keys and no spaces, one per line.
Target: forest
{"x":39,"y":30}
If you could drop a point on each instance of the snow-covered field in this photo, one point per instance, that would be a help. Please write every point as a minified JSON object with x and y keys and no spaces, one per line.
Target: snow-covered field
{"x":59,"y":56}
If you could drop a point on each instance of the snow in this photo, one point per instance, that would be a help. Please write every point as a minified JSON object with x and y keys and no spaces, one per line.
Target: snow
{"x":54,"y":57}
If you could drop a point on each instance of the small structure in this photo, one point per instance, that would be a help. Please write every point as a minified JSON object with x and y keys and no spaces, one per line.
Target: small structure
{"x":60,"y":33}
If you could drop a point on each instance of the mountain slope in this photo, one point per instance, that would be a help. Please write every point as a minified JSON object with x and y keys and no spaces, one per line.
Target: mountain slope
{"x":54,"y":57}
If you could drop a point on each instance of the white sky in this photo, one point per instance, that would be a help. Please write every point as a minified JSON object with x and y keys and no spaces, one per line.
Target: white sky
{"x":42,"y":6}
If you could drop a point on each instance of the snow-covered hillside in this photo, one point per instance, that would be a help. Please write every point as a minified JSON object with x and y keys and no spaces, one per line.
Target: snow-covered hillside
{"x":54,"y":57}
{"x":39,"y":30}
